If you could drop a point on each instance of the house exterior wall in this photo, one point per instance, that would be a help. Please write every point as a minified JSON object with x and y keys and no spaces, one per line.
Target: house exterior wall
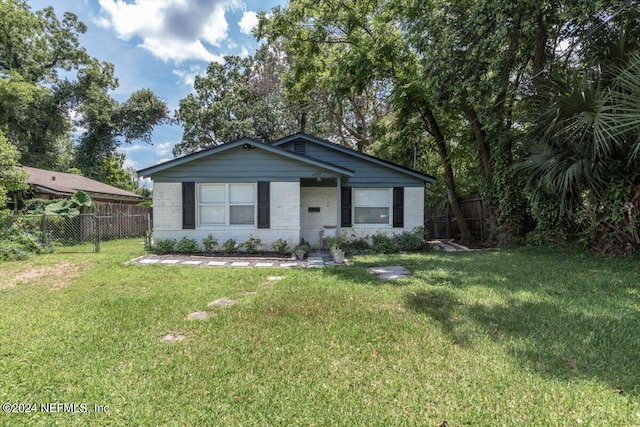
{"x":312,"y":222}
{"x":413,"y":217}
{"x":285,"y":219}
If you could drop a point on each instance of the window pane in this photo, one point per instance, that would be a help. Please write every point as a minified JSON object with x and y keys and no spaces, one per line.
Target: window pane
{"x":211,"y":214}
{"x":371,"y":215}
{"x":211,"y":193}
{"x":371,"y":197}
{"x":241,"y":193}
{"x":241,"y":214}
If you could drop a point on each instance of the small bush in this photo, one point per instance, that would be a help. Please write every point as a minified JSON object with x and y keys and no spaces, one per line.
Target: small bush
{"x":383,"y":244}
{"x":230,"y":246}
{"x":357,"y":247}
{"x":302,"y":249}
{"x":251,"y":245}
{"x":167,"y":246}
{"x":281,"y":246}
{"x":187,"y":245}
{"x":336,"y":242}
{"x":209,"y":243}
{"x":412,"y":241}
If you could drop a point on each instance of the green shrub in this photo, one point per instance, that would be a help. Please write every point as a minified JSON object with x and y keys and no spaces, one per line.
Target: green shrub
{"x":357,"y":247}
{"x":230,"y":246}
{"x":20,"y":237}
{"x":209,"y":243}
{"x":281,"y":246}
{"x":302,"y":249}
{"x":187,"y":245}
{"x":336,"y":242}
{"x":166,"y":246}
{"x":412,"y":241}
{"x":251,"y":245}
{"x":383,"y":244}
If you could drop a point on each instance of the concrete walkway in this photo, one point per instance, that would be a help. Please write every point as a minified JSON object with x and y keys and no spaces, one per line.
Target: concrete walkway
{"x":313,"y":260}
{"x":447,"y":245}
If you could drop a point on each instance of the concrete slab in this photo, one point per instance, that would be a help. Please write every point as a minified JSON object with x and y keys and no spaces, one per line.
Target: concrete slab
{"x":264,"y":264}
{"x":191,"y":262}
{"x":216,"y":263}
{"x":289,"y":264}
{"x":389,"y":272}
{"x":149,"y":261}
{"x":239,"y":264}
{"x":169,"y":261}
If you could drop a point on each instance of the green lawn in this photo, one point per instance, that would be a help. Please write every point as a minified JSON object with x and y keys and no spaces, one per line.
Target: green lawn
{"x":501,"y":338}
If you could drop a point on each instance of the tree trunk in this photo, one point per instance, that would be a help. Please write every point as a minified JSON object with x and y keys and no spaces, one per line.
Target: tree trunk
{"x":433,"y":128}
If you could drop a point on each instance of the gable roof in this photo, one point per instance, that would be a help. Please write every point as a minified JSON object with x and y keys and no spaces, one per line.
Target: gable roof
{"x":66,"y":184}
{"x":354,"y":153}
{"x":249,"y":143}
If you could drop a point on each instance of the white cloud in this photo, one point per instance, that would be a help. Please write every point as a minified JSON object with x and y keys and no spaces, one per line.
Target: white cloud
{"x":248,"y":22}
{"x":164,"y":148}
{"x":188,"y":76}
{"x":175,"y":30}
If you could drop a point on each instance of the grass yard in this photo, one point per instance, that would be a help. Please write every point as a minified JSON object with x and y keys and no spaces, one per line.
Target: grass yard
{"x":505,"y":338}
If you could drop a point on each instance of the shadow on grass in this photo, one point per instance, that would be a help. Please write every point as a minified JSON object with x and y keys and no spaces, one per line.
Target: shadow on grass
{"x":563,"y":315}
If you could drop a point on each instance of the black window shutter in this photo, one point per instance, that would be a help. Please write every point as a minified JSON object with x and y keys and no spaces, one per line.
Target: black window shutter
{"x":345,"y":207}
{"x":398,"y":206}
{"x":264,"y":210}
{"x":188,"y":205}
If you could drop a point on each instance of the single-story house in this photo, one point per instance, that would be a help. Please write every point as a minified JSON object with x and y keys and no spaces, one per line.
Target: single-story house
{"x":56,"y":185}
{"x":291,"y":189}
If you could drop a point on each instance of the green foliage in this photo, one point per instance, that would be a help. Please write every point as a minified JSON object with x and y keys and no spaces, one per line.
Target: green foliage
{"x":336,"y":242}
{"x":11,"y":177}
{"x":302,"y":249}
{"x":230,"y":246}
{"x":20,"y":237}
{"x":358,"y":246}
{"x":383,"y":244}
{"x":251,"y":245}
{"x":412,"y":241}
{"x":244,"y":97}
{"x":69,"y":207}
{"x":281,"y":246}
{"x":166,"y":246}
{"x":209,"y":243}
{"x":187,"y":245}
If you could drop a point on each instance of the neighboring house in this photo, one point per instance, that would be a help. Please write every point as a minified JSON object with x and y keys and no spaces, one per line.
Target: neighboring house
{"x":290,"y":189}
{"x":56,"y":185}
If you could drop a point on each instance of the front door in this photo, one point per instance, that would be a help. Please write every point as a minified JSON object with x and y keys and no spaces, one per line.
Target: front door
{"x":318,"y":209}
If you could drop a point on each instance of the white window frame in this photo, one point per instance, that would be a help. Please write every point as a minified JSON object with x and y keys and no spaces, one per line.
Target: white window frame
{"x":371,"y":224}
{"x":227,"y":204}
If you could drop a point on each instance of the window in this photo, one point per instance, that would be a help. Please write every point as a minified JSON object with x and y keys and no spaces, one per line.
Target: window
{"x":227,"y":204}
{"x":371,"y":205}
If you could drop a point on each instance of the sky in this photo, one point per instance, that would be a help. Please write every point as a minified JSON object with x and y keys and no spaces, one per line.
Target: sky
{"x":162,"y":45}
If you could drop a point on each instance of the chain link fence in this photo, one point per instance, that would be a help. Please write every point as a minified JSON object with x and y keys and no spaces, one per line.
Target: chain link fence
{"x":84,"y":232}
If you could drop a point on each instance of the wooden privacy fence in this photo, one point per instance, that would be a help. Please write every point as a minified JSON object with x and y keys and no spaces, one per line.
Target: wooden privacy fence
{"x":441,"y":224}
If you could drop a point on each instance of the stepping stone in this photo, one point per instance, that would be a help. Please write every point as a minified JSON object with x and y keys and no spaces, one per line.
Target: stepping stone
{"x":149,"y":261}
{"x":389,"y":272}
{"x":198,"y":315}
{"x":239,"y":264}
{"x":191,"y":262}
{"x":173,"y":337}
{"x":216,"y":263}
{"x":222,"y":302}
{"x":275,"y":278}
{"x":169,"y":261}
{"x":289,"y":264}
{"x":264,"y":264}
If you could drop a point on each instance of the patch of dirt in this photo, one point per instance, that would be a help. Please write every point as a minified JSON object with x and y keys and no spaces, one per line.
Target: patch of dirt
{"x":222,"y":302}
{"x":58,"y":276}
{"x":198,"y":315}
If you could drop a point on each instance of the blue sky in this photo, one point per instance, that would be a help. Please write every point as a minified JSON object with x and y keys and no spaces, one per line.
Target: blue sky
{"x":162,"y":45}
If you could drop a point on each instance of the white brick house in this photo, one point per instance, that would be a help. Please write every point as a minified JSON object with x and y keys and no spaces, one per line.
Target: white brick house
{"x":290,"y":189}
